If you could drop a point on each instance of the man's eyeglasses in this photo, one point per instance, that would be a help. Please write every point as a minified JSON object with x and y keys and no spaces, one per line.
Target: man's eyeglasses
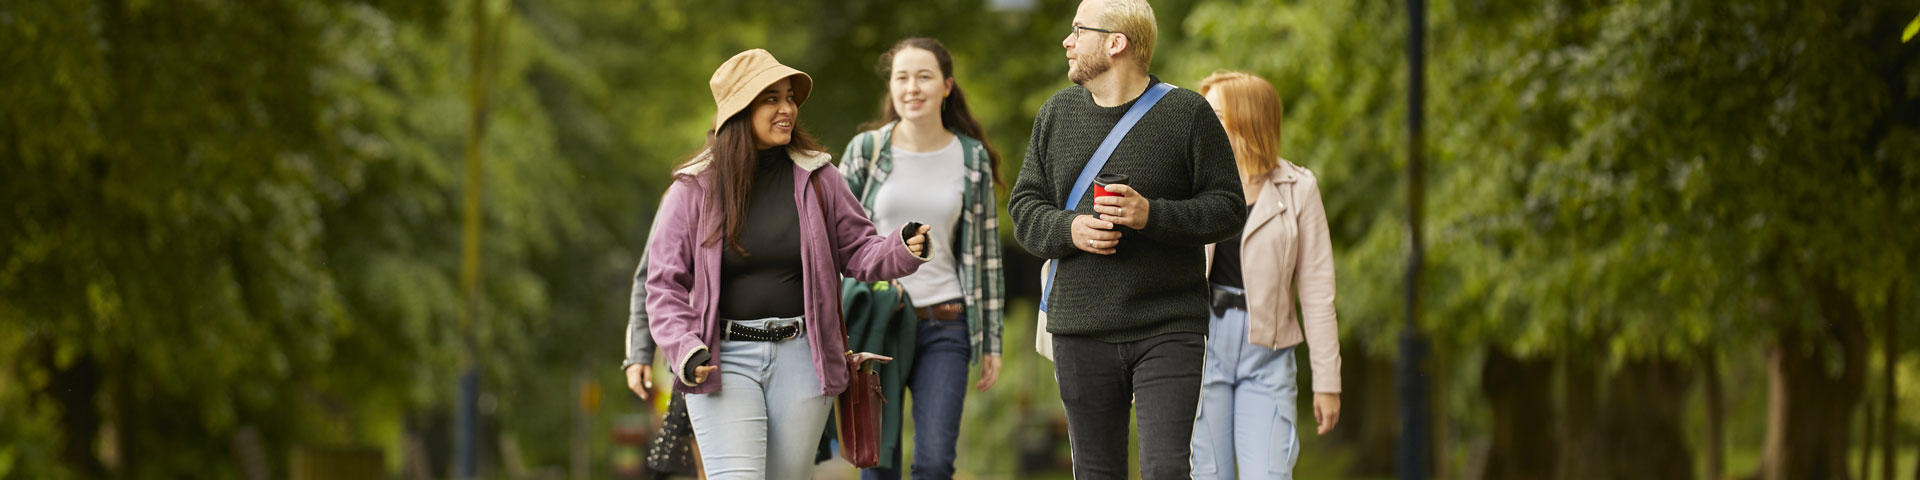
{"x":1077,"y":28}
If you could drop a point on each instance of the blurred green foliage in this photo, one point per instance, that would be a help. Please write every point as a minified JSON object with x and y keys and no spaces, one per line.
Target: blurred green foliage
{"x":231,"y":221}
{"x":1627,"y":189}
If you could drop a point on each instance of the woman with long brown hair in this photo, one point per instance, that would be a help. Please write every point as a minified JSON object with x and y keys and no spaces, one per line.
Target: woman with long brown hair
{"x":928,"y":159}
{"x":744,"y":270}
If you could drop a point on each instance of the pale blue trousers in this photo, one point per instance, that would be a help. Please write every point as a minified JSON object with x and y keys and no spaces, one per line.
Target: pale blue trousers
{"x":1245,"y":427}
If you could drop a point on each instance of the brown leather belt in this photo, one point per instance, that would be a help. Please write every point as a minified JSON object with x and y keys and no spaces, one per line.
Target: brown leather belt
{"x":945,"y":311}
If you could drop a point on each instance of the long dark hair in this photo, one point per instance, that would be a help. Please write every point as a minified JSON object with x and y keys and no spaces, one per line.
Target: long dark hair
{"x":953,"y":111}
{"x":731,"y":190}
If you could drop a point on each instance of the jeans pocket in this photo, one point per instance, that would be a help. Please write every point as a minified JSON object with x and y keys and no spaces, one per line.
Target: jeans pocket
{"x":1286,"y":444}
{"x":1222,"y":357}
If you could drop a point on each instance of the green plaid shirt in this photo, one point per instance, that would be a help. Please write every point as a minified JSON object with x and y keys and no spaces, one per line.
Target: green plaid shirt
{"x":866,"y":164}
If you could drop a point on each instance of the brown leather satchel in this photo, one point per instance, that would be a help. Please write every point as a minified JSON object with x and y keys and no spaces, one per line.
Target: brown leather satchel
{"x":858,"y":411}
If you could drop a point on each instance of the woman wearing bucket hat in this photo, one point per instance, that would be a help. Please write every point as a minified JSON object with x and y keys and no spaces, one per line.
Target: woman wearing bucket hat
{"x":929,"y":159}
{"x":744,"y":272}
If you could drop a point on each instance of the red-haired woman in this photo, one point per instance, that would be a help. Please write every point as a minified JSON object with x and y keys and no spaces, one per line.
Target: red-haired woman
{"x":1269,"y":281}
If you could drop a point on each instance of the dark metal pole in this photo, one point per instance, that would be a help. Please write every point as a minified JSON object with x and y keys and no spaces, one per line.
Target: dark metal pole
{"x":466,"y":430}
{"x":1415,"y":438}
{"x":466,"y":426}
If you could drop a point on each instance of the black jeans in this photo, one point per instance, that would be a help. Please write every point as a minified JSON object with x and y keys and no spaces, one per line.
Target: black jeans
{"x":1101,"y":382}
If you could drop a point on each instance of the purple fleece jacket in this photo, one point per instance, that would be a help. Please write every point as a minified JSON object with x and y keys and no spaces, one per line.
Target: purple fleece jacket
{"x":683,"y":277}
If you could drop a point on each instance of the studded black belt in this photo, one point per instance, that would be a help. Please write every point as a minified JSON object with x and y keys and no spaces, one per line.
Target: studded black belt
{"x":786,"y":331}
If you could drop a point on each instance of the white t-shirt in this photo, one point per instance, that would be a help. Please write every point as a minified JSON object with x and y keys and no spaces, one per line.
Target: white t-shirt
{"x":926,"y":187}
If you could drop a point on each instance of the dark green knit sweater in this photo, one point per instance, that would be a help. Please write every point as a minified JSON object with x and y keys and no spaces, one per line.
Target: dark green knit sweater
{"x":1179,"y":158}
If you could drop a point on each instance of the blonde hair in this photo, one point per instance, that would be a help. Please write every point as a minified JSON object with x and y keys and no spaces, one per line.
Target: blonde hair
{"x":1134,"y":18}
{"x":1252,"y":115}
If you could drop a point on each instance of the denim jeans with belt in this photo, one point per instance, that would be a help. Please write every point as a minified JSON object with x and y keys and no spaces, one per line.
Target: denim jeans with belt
{"x":1247,"y":405}
{"x":766,"y":419}
{"x":1101,"y":383}
{"x":938,"y":384}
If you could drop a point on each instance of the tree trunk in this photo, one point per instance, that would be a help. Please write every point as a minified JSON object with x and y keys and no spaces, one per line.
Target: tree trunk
{"x":1799,"y":442}
{"x":250,"y":454}
{"x":1578,"y":457}
{"x":1716,"y":418}
{"x":1643,"y":421}
{"x":131,"y":442}
{"x":76,"y":389}
{"x":1811,"y":400}
{"x":1889,"y":353}
{"x":1520,"y":393}
{"x":1369,"y":418}
{"x":1438,"y":371}
{"x":1865,"y":454}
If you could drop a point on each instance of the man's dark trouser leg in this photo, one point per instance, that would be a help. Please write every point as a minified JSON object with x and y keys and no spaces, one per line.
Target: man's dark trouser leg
{"x":1100,"y":382}
{"x":1166,"y":393}
{"x":1096,"y":386}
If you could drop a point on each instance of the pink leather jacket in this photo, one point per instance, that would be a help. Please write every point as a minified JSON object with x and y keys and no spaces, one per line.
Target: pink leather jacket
{"x":1285,"y":249}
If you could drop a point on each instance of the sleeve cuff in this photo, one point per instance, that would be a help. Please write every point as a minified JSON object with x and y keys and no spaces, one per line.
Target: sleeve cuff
{"x":1153,"y":215}
{"x":1066,"y":234}
{"x":906,"y":232}
{"x":685,"y":375}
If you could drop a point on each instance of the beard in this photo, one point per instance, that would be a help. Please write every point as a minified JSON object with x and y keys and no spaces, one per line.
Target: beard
{"x":1088,"y":67}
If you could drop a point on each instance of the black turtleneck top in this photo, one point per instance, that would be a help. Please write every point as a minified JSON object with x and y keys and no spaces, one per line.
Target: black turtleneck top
{"x":1226,"y":264}
{"x":766,"y":281}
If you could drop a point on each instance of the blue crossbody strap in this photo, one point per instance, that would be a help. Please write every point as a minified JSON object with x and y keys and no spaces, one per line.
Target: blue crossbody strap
{"x":1099,"y":160}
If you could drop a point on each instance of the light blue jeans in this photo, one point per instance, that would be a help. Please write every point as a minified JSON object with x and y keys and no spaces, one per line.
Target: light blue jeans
{"x":1245,"y":427}
{"x":766,"y":419}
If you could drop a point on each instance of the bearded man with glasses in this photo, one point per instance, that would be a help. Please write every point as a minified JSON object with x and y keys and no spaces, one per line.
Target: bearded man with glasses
{"x":1127,"y":297}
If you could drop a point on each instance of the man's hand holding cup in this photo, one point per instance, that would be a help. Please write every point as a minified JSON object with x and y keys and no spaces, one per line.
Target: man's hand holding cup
{"x":1118,"y":202}
{"x":1094,"y":233}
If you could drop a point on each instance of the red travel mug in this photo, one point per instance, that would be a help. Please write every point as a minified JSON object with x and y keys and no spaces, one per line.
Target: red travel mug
{"x":1101,"y":181}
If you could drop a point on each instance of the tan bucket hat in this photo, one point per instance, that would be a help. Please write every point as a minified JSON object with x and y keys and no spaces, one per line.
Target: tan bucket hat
{"x":746,"y":75}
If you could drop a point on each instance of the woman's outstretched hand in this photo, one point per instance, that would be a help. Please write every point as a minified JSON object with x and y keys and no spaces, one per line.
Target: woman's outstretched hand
{"x":701,"y":373}
{"x":917,"y":244}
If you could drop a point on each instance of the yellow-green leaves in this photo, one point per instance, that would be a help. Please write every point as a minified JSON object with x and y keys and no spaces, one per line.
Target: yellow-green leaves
{"x":1912,"y":28}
